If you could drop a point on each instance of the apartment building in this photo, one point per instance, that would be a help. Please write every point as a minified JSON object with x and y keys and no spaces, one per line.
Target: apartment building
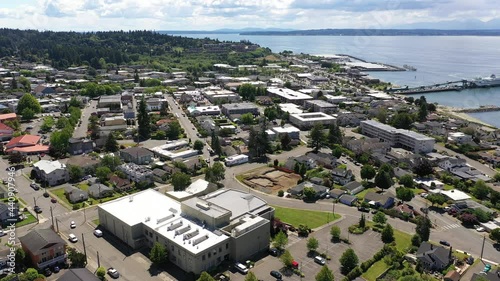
{"x":308,"y":120}
{"x":136,"y":173}
{"x":410,"y":140}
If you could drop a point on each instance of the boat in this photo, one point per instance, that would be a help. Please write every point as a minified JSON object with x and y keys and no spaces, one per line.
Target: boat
{"x":491,"y":81}
{"x":409,"y":67}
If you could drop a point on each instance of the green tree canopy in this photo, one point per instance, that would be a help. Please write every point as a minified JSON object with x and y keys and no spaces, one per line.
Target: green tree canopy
{"x":251,"y":277}
{"x":102,"y":173}
{"x":312,"y":244}
{"x":325,"y":274}
{"x":287,"y":259}
{"x":28,"y":101}
{"x":407,"y":181}
{"x":495,"y":235}
{"x":404,"y":194}
{"x":158,"y":254}
{"x":205,"y":277}
{"x":335,"y":232}
{"x":387,"y":234}
{"x":280,"y":240}
{"x":423,"y":228}
{"x":216,"y":173}
{"x":180,"y":181}
{"x":143,"y":120}
{"x":198,"y":145}
{"x":480,"y":190}
{"x":316,"y":137}
{"x":111,"y":144}
{"x":349,"y":260}
{"x":379,"y":218}
{"x":383,"y":180}
{"x":368,"y":172}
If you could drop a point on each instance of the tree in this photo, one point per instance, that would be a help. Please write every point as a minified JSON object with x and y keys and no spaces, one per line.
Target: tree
{"x":422,"y":112}
{"x":158,"y":254}
{"x":215,"y":173}
{"x":143,"y":120}
{"x":387,"y":168}
{"x":480,"y":190}
{"x":415,"y":240}
{"x":16,"y":158}
{"x":258,"y":142}
{"x":404,"y":194}
{"x":335,"y":232}
{"x":325,"y":274}
{"x":251,"y":277}
{"x":180,"y":181}
{"x":110,"y":161}
{"x":285,"y":141}
{"x":173,"y":131}
{"x":383,"y":180}
{"x":316,"y":137}
{"x":111,"y":144}
{"x":287,"y":259}
{"x":198,"y":145}
{"x":205,"y":277}
{"x":28,"y":101}
{"x":349,"y":260}
{"x":31,"y":274}
{"x":337,"y":151}
{"x":362,"y":221}
{"x":379,"y":218}
{"x":387,"y":234}
{"x":312,"y":244}
{"x":382,"y":116}
{"x":59,"y":141}
{"x":27,"y":114}
{"x":368,"y":172}
{"x":437,"y":199}
{"x":334,"y":135}
{"x":247,"y":118}
{"x":102,"y":173}
{"x":75,"y":173}
{"x":407,"y":181}
{"x":423,"y":227}
{"x":468,"y":218}
{"x":423,"y":167}
{"x":309,"y":193}
{"x":280,"y":240}
{"x":48,"y":123}
{"x":495,"y":235}
{"x":101,"y":272}
{"x":78,"y":260}
{"x":402,"y":120}
{"x":216,"y":144}
{"x":496,"y":177}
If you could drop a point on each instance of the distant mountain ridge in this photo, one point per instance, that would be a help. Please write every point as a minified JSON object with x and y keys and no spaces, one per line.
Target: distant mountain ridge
{"x":225,"y":31}
{"x":379,"y":32}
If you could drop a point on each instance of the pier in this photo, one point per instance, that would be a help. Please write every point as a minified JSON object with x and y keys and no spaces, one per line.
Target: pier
{"x":441,"y":87}
{"x":485,"y":108}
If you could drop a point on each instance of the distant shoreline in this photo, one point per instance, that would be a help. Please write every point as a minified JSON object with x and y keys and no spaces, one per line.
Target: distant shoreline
{"x":378,"y":32}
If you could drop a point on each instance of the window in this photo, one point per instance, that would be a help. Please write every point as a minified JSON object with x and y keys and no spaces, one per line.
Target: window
{"x":203,"y":257}
{"x":172,"y":248}
{"x":227,"y":246}
{"x":209,"y":255}
{"x":156,"y":238}
{"x":220,"y":250}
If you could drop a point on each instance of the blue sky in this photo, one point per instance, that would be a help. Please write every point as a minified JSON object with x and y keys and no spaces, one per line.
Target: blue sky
{"x":82,"y":15}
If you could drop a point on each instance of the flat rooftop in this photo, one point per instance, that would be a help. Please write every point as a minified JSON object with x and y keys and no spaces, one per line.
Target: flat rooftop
{"x":289,"y":129}
{"x":241,"y":105}
{"x":289,"y":94}
{"x":321,"y":103}
{"x":313,"y":116}
{"x":238,"y":202}
{"x":290,"y":108}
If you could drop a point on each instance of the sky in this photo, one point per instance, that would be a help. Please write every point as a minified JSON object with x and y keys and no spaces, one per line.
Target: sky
{"x":91,"y":15}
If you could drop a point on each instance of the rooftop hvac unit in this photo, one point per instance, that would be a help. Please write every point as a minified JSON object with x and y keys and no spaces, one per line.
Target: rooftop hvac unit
{"x":173,"y":226}
{"x":183,"y":230}
{"x":203,"y":206}
{"x":199,"y":240}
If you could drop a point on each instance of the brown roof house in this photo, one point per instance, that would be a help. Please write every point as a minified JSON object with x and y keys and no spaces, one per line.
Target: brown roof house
{"x":44,"y":247}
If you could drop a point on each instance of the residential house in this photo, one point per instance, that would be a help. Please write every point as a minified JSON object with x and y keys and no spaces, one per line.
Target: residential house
{"x":136,"y":173}
{"x":348,"y":200}
{"x":452,"y":275}
{"x":75,"y":195}
{"x":303,"y":159}
{"x":299,"y":189}
{"x":341,"y":176}
{"x":379,"y":200}
{"x":490,"y":276}
{"x":154,"y":104}
{"x":336,"y":193}
{"x":8,"y":117}
{"x":100,"y":190}
{"x":120,"y":184}
{"x":137,"y":155}
{"x":26,"y":145}
{"x":353,"y":187}
{"x":8,"y":213}
{"x":432,"y":257}
{"x":160,"y":175}
{"x":79,"y":146}
{"x":325,"y":160}
{"x":78,"y":274}
{"x":51,"y":172}
{"x":44,"y":247}
{"x":405,"y":209}
{"x":451,"y":163}
{"x":5,"y":132}
{"x":87,"y":163}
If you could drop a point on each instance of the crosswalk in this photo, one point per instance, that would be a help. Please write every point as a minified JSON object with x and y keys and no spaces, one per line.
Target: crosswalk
{"x":451,"y":226}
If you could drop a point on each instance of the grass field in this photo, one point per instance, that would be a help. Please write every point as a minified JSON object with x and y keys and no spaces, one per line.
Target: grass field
{"x":403,"y":240}
{"x":296,"y":217}
{"x":60,"y":194}
{"x":28,"y":220}
{"x":375,"y":270}
{"x":361,"y":195}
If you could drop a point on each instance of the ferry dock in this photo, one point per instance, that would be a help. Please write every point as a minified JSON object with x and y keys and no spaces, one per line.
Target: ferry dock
{"x":441,"y":87}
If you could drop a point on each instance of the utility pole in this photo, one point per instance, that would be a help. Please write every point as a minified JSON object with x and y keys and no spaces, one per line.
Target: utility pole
{"x":52,"y":216}
{"x":98,"y":260}
{"x":34,"y":199}
{"x":57,"y":225}
{"x":482,"y":248}
{"x":84,"y":249}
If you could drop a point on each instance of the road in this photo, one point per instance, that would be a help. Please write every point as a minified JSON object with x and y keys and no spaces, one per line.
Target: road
{"x":81,"y":131}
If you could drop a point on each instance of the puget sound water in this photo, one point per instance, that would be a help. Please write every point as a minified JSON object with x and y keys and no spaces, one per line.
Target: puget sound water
{"x":438,"y":59}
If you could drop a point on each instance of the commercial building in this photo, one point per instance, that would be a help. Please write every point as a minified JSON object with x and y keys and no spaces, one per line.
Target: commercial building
{"x":203,"y":110}
{"x":26,"y":145}
{"x":321,"y":106}
{"x":291,"y":131}
{"x":308,"y":120}
{"x":240,"y":108}
{"x":288,"y":95}
{"x":136,"y":173}
{"x":410,"y":140}
{"x":291,"y":108}
{"x":114,"y":102}
{"x":199,"y":233}
{"x":51,"y":172}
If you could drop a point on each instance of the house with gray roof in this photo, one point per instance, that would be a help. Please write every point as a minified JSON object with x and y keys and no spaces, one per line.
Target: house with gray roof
{"x":137,"y":155}
{"x":433,"y":257}
{"x":299,"y":189}
{"x":341,"y":176}
{"x":8,"y":214}
{"x":348,"y":200}
{"x":75,"y":195}
{"x":100,"y":190}
{"x":378,"y":200}
{"x":51,"y":172}
{"x":336,"y":193}
{"x":354,"y":187}
{"x":44,"y":247}
{"x":78,"y":274}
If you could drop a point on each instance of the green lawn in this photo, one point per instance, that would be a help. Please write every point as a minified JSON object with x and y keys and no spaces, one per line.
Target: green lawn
{"x":375,"y":270}
{"x":403,"y":240}
{"x":296,"y":217}
{"x":96,"y":221}
{"x":417,"y":191}
{"x":28,"y":220}
{"x":60,"y":194}
{"x":83,"y":186}
{"x":448,"y":187}
{"x":361,"y":195}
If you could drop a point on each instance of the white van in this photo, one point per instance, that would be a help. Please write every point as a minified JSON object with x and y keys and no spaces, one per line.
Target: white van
{"x":319,"y":260}
{"x":241,"y":268}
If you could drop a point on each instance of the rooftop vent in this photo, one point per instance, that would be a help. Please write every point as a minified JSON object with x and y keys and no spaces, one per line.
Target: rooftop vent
{"x":202,"y":205}
{"x":173,"y":226}
{"x":183,"y":230}
{"x":191,"y":234}
{"x":199,"y":240}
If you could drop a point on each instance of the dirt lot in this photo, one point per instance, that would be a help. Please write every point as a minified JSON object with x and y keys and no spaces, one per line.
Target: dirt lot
{"x":270,"y":180}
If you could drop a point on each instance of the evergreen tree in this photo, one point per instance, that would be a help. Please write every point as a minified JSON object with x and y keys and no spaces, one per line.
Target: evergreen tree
{"x":316,"y":137}
{"x":362,"y":221}
{"x":216,"y":144}
{"x":422,"y":112}
{"x":368,"y":172}
{"x":349,"y":260}
{"x":334,"y":135}
{"x":383,"y":180}
{"x":111,"y":144}
{"x":423,"y":228}
{"x":143,"y":120}
{"x":387,"y":234}
{"x":180,"y":181}
{"x":325,"y":274}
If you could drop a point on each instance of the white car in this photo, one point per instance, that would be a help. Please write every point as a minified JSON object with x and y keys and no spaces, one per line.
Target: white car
{"x":480,"y":229}
{"x":72,"y":238}
{"x":98,"y":233}
{"x":72,"y":225}
{"x":113,"y":272}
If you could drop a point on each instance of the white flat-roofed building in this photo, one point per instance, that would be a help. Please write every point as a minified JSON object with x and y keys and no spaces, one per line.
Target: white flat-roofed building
{"x":413,"y":141}
{"x":308,"y":120}
{"x":236,"y":159}
{"x":288,"y":95}
{"x":290,"y":108}
{"x":335,"y":99}
{"x":240,"y":108}
{"x":204,"y":110}
{"x":173,"y":155}
{"x":459,"y":137}
{"x":321,"y":106}
{"x":292,"y":131}
{"x":214,"y":95}
{"x":199,"y":233}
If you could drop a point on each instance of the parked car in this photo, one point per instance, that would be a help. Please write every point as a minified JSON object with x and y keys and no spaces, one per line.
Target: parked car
{"x":98,"y":233}
{"x":276,"y":274}
{"x":445,"y":243}
{"x":47,"y":272}
{"x":113,"y":272}
{"x":241,"y":268}
{"x":320,"y":260}
{"x":480,"y":229}
{"x":53,"y":200}
{"x":37,"y":209}
{"x":46,"y":195}
{"x":56,"y":269}
{"x":273,"y":252}
{"x":72,"y":225}
{"x":72,"y":238}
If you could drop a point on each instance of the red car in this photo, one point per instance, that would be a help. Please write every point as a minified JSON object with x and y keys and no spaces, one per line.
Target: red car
{"x":53,"y":200}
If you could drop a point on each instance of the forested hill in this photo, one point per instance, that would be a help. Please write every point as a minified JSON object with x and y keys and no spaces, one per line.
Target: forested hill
{"x":63,"y":49}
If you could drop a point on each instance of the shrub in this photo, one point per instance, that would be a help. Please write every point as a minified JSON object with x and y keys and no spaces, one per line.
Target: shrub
{"x":355,"y":273}
{"x":76,"y":206}
{"x":281,"y":193}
